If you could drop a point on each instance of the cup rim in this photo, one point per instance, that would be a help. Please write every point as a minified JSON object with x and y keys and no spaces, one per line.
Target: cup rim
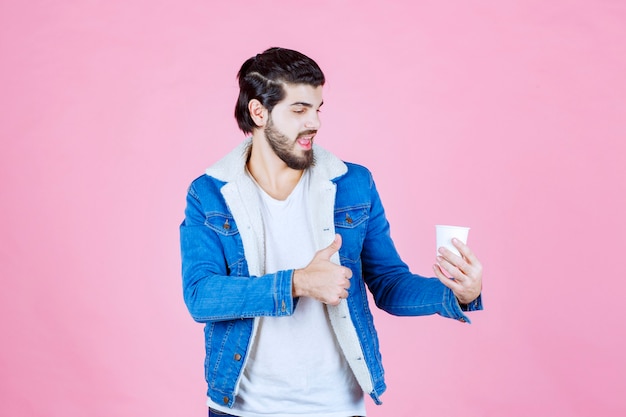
{"x":452,"y":227}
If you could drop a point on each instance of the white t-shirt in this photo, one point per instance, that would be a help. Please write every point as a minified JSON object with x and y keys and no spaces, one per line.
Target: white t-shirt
{"x":295,"y":367}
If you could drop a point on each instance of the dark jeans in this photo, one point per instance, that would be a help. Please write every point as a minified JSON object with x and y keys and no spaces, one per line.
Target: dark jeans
{"x":215,"y":413}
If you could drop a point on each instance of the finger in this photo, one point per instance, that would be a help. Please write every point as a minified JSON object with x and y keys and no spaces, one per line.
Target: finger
{"x":335,"y":301}
{"x":330,"y":250}
{"x":457,"y":288}
{"x":450,"y":256}
{"x":346,"y":284}
{"x":347,"y":273}
{"x":469,"y":264}
{"x":450,"y":268}
{"x":445,"y":280}
{"x":465,"y":252}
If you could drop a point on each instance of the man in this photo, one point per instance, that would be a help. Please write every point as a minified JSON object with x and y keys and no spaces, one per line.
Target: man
{"x":279,"y":241}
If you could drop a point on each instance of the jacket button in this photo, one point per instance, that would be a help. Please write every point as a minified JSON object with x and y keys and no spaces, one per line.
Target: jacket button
{"x":237,"y":357}
{"x":225,"y":400}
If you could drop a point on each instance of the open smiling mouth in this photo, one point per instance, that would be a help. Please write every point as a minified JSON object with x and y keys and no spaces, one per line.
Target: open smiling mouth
{"x":305,"y":139}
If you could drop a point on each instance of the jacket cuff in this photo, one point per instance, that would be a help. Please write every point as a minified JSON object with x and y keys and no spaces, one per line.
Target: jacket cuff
{"x":284,"y":298}
{"x":475,"y":305}
{"x":455,"y":310}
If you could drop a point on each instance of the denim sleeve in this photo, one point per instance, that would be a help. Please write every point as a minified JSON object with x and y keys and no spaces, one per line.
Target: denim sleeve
{"x":394,"y":287}
{"x":216,"y":285}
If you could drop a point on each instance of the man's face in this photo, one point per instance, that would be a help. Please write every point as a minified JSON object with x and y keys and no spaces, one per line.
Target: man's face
{"x":293,"y":123}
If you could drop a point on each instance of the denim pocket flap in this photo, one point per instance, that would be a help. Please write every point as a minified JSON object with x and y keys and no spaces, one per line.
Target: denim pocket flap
{"x":351,"y":217}
{"x":221,"y":223}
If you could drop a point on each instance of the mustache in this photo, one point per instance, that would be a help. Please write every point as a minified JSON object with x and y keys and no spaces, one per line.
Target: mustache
{"x":307,"y":133}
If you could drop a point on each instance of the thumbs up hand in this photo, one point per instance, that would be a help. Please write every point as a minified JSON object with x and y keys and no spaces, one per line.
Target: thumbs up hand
{"x":322,"y":279}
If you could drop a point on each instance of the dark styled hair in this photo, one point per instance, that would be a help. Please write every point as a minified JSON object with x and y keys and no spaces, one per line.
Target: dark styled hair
{"x":262,"y":77}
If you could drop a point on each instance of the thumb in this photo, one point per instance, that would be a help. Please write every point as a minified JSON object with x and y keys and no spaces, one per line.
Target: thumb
{"x":330,"y":250}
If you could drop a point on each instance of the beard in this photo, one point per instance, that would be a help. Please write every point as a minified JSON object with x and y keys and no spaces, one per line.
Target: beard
{"x":285,"y":149}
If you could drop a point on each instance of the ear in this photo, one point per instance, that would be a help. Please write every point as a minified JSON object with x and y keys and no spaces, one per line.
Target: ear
{"x":258,"y":112}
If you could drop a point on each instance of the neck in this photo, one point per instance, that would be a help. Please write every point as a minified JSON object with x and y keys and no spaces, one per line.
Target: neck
{"x":269,"y":171}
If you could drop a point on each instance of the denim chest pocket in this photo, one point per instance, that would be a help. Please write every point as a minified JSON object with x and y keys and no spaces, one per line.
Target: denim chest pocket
{"x":221,"y":223}
{"x":225,"y":227}
{"x":351,"y":223}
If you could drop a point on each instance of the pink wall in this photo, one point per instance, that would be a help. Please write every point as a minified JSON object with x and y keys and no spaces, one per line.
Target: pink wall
{"x":506,"y":116}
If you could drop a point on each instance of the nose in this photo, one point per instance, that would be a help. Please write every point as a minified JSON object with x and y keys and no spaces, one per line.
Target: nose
{"x":313,"y":122}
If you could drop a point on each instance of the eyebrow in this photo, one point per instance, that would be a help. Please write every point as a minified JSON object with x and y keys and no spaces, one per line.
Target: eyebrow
{"x":305,"y":104}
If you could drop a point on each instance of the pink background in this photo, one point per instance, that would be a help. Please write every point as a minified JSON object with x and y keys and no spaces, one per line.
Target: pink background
{"x":505,"y":116}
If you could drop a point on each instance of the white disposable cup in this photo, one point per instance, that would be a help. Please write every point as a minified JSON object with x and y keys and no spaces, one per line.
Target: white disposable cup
{"x":445,"y":234}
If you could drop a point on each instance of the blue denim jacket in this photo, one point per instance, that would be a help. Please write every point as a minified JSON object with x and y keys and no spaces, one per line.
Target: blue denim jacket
{"x":225,"y":285}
